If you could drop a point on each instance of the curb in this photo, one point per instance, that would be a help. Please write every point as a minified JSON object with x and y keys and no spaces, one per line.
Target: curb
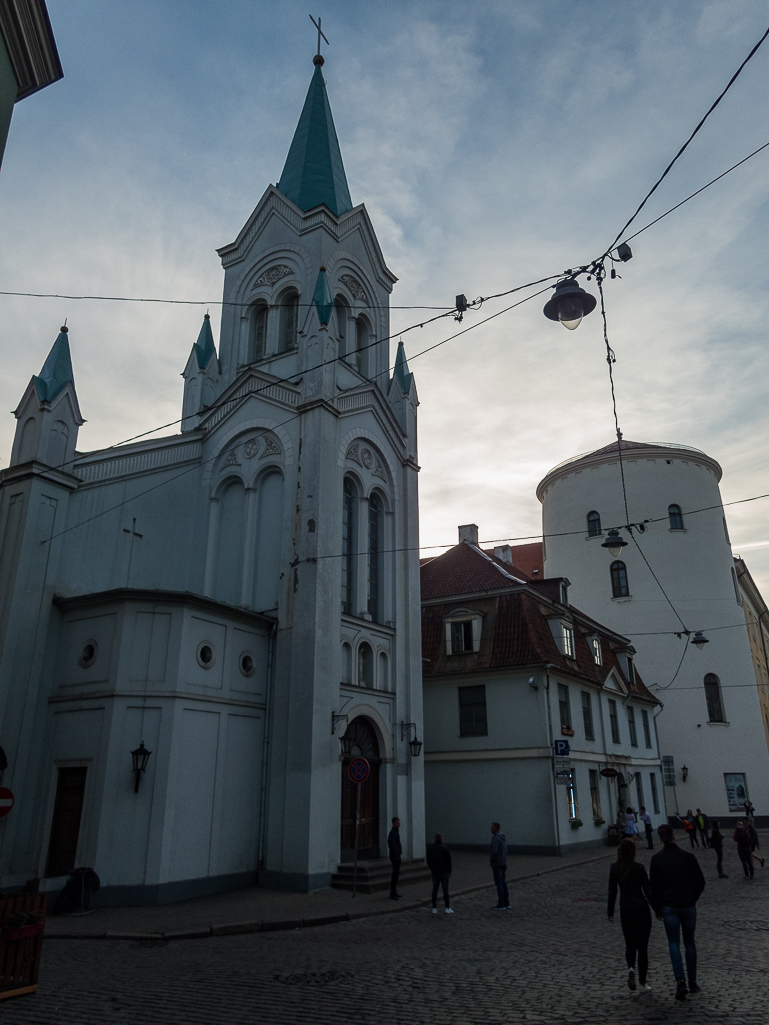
{"x":242,"y":928}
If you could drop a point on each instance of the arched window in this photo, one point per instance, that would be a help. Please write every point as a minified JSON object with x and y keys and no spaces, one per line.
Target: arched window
{"x":289,"y":320}
{"x":360,"y":357}
{"x":349,"y":530}
{"x":619,"y":587}
{"x":593,"y":524}
{"x":675,"y":517}
{"x":342,"y":313}
{"x":346,"y":663}
{"x":375,"y":532}
{"x":713,"y":698}
{"x":257,"y":332}
{"x":365,"y":665}
{"x":269,"y":525}
{"x":229,"y":546}
{"x":57,"y":443}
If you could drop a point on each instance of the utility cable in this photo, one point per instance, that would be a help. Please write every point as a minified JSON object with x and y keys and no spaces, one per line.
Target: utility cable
{"x":702,"y":121}
{"x":204,"y":302}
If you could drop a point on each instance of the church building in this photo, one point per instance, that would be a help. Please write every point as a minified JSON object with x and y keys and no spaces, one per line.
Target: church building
{"x":224,"y":604}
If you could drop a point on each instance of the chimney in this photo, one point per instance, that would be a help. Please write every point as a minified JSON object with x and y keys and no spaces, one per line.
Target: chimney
{"x":504,"y":553}
{"x":469,"y":532}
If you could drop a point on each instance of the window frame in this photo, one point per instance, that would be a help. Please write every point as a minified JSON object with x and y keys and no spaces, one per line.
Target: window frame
{"x":587,"y":715}
{"x":564,"y":703}
{"x":645,"y":723}
{"x":258,"y":319}
{"x":594,"y":523}
{"x":572,"y":803}
{"x":675,"y":517}
{"x":620,"y":587}
{"x":288,"y":336}
{"x":375,"y":562}
{"x":631,"y":725}
{"x":597,"y":651}
{"x":463,"y":617}
{"x":712,"y":680}
{"x":470,"y":721}
{"x":655,"y":795}
{"x":349,"y":544}
{"x":616,"y":737}
{"x":595,"y":793}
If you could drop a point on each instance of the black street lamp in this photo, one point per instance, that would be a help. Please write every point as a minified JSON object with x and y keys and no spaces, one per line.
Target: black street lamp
{"x":139,"y":757}
{"x":699,"y":640}
{"x":569,"y":304}
{"x":347,"y":740}
{"x":414,"y":744}
{"x":614,"y":543}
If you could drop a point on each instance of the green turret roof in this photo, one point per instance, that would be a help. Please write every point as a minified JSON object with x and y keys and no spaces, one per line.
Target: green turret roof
{"x":57,"y":370}
{"x":401,"y":374}
{"x":314,"y":172}
{"x":204,"y":346}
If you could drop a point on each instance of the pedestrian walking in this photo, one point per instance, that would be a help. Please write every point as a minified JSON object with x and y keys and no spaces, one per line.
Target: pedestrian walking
{"x":631,"y":823}
{"x":750,"y":811}
{"x":647,"y":821}
{"x":629,"y":876}
{"x":498,"y":862}
{"x":395,"y":850}
{"x":439,"y":863}
{"x":676,"y":884}
{"x":741,"y":836}
{"x":717,"y":843}
{"x":691,"y":832}
{"x":754,"y":844}
{"x":702,"y":823}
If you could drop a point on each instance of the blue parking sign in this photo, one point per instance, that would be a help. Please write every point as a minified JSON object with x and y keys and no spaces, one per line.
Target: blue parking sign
{"x":561,"y":748}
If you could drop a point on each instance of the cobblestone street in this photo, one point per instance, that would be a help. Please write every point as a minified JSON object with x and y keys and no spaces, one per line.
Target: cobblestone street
{"x":552,"y":959}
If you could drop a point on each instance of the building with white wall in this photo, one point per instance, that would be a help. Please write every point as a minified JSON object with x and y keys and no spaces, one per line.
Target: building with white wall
{"x":510,"y":667}
{"x":676,"y":574}
{"x":235,"y":596}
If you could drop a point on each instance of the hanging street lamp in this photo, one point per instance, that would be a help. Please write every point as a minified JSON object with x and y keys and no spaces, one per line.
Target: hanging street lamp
{"x":569,"y":304}
{"x":699,"y":640}
{"x":614,"y":543}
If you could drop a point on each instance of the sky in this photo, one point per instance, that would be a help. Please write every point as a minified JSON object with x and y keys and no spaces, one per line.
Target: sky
{"x":493,"y":144}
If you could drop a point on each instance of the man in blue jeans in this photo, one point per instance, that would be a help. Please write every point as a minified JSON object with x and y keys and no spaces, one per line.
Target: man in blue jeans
{"x":676,"y":884}
{"x":498,"y":862}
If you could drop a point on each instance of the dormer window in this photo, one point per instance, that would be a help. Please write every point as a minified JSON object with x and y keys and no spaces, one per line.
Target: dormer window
{"x":463,"y":633}
{"x":563,"y":635}
{"x":568,"y":640}
{"x":563,"y":588}
{"x":595,"y":650}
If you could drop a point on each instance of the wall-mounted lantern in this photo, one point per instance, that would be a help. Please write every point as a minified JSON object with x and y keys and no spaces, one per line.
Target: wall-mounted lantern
{"x":684,"y":772}
{"x":414,"y":744}
{"x":139,"y":757}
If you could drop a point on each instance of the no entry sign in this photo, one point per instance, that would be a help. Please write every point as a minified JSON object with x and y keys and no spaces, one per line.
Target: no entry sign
{"x":6,"y":801}
{"x":358,"y":770}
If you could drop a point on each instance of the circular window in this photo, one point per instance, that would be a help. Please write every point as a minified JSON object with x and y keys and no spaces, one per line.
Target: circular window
{"x":88,"y":654}
{"x":205,"y":655}
{"x":247,"y":664}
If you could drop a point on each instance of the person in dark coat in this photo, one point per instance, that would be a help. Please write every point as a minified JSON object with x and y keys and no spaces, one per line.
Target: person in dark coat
{"x":395,"y":851}
{"x":629,"y":876}
{"x":439,"y":863}
{"x":676,"y":884}
{"x":741,"y":836}
{"x":754,"y":844}
{"x":703,"y":826}
{"x":717,"y":843}
{"x":498,"y":862}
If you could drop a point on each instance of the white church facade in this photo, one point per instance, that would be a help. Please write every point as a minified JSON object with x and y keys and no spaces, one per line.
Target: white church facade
{"x":712,"y":722}
{"x":235,"y":596}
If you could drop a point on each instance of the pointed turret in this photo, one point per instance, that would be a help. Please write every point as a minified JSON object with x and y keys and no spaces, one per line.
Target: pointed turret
{"x":401,"y":372}
{"x":57,"y":369}
{"x":49,"y":414}
{"x":202,"y":377}
{"x":324,"y":301}
{"x":314,"y":172}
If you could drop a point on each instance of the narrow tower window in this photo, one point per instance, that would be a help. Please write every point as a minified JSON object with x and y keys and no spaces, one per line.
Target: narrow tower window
{"x":675,"y":517}
{"x":342,"y":313}
{"x":257,"y":347}
{"x":593,"y":524}
{"x":619,"y":587}
{"x":349,"y":523}
{"x":374,"y":556}
{"x":289,"y":320}
{"x":713,"y":698}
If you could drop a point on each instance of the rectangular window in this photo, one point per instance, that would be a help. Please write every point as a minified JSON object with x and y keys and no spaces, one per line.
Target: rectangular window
{"x":595,"y":647}
{"x":472,"y":712}
{"x":614,"y":721}
{"x":595,"y":793}
{"x":631,"y":727}
{"x":461,"y":637}
{"x":571,"y":796}
{"x":647,"y":729}
{"x":639,"y":791}
{"x":563,"y":705}
{"x":568,"y":640}
{"x":713,"y":698}
{"x":587,"y":715}
{"x":655,"y":794}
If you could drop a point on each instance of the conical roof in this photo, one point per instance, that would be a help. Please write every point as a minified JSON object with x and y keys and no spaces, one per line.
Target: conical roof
{"x":57,"y":370}
{"x":314,"y":172}
{"x":204,"y":347}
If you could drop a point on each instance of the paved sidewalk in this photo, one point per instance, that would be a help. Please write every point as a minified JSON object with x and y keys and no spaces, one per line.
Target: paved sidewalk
{"x":255,"y":909}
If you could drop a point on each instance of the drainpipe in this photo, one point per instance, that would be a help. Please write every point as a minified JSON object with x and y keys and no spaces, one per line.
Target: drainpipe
{"x":662,"y":773}
{"x":553,"y":787}
{"x":266,"y":745}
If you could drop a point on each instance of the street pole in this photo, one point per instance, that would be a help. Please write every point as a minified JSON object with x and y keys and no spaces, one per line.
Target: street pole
{"x":357,"y":826}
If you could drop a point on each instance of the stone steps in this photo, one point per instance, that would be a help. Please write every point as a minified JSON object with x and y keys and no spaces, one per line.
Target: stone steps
{"x":374,"y":874}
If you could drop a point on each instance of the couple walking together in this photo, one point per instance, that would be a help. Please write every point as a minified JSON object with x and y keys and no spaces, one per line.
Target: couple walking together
{"x":672,"y":890}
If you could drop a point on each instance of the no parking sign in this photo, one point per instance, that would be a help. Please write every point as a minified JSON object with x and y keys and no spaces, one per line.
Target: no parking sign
{"x":358,"y":770}
{"x":6,"y":801}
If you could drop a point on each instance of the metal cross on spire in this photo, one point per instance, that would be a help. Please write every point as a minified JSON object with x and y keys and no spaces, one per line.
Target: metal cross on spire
{"x":318,"y":59}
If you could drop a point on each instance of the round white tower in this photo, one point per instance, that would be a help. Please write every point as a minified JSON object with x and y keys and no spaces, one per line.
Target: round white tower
{"x":711,"y":720}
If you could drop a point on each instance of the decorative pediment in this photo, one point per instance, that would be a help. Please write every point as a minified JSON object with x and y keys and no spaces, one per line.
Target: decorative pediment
{"x":248,"y":449}
{"x":366,"y":456}
{"x":614,"y":685}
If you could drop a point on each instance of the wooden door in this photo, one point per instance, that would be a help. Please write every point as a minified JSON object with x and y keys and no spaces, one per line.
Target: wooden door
{"x":366,"y":744}
{"x":65,"y":828}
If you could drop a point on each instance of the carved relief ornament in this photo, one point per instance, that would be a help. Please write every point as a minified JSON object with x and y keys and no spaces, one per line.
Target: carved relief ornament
{"x":355,"y":287}
{"x":272,"y":274}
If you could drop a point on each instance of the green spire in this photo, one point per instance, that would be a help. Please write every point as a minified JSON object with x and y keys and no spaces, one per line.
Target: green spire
{"x":204,"y":347}
{"x":401,"y":374}
{"x":57,"y":370}
{"x":314,"y":172}
{"x":324,"y":301}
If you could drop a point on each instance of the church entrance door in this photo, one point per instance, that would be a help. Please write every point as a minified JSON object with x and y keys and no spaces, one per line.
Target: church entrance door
{"x":65,"y":828}
{"x":365,"y":743}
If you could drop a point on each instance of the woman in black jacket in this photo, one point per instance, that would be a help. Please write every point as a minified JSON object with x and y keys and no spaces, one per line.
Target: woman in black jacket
{"x":717,"y":843}
{"x":634,"y":914}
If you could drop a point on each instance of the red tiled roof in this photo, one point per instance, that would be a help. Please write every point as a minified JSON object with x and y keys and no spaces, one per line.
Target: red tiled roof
{"x":465,"y":569}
